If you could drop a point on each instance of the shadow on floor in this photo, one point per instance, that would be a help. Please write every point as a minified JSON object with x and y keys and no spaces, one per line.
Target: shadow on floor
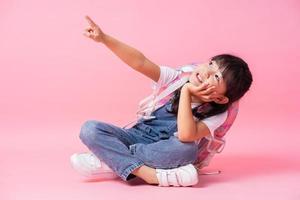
{"x":239,"y":167}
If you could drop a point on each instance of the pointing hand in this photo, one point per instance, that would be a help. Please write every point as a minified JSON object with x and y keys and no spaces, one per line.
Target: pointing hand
{"x":93,"y":31}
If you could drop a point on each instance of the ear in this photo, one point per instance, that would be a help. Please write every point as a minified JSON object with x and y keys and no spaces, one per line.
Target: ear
{"x":221,"y":99}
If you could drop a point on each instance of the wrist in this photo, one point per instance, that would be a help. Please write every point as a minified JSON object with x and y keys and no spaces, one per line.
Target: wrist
{"x":105,"y":38}
{"x":185,"y":91}
{"x":185,"y":88}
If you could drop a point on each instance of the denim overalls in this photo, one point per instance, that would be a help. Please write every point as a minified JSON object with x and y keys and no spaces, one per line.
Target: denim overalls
{"x":149,"y":142}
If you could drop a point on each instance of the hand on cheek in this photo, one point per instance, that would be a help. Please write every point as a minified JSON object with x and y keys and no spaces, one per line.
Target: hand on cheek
{"x":203,"y":92}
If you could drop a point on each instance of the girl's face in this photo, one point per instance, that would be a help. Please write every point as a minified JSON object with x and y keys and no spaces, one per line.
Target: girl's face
{"x":210,"y":73}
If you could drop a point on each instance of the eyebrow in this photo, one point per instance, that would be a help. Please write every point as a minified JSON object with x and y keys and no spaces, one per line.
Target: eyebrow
{"x":215,"y":64}
{"x":221,"y":75}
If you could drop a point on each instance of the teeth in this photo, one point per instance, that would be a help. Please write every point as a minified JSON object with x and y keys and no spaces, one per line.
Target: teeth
{"x":199,"y":78}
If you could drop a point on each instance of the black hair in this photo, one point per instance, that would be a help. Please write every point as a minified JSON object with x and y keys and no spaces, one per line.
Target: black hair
{"x":238,"y":79}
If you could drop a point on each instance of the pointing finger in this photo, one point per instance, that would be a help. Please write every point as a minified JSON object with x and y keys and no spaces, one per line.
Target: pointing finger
{"x":90,"y":21}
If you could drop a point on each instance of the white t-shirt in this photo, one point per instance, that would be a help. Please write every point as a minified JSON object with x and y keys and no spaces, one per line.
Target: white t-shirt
{"x":168,"y":74}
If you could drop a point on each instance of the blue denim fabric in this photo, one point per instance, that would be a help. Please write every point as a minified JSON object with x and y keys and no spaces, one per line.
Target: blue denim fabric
{"x":148,"y":142}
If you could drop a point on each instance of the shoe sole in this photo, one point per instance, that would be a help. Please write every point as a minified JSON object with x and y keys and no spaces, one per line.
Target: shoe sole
{"x":90,"y":176}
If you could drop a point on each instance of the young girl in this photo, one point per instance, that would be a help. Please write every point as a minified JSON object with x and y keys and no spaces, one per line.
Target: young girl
{"x":150,"y":149}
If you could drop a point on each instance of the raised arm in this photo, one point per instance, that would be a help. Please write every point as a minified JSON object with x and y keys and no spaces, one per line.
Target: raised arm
{"x":131,"y":56}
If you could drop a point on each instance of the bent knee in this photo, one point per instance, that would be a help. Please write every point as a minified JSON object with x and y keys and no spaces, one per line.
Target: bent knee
{"x":88,"y":130}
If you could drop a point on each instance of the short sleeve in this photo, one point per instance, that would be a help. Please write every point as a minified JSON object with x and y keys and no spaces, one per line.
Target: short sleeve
{"x":167,"y":75}
{"x":214,"y":122}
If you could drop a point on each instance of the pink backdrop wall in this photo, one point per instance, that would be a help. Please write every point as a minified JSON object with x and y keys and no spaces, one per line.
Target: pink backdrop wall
{"x":53,"y":78}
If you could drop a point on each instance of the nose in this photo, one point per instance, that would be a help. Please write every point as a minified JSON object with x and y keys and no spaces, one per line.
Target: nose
{"x":208,"y":73}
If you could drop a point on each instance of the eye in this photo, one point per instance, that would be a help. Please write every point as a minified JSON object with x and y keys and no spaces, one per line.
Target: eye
{"x":217,"y":77}
{"x":210,"y":63}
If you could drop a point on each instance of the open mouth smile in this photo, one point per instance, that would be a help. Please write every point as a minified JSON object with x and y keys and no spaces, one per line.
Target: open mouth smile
{"x":199,"y":78}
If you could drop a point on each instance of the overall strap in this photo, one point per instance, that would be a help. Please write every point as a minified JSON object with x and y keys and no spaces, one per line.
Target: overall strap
{"x":153,"y":102}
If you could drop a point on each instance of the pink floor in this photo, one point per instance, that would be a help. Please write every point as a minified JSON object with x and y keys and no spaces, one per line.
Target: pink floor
{"x":256,"y":169}
{"x":53,"y":79}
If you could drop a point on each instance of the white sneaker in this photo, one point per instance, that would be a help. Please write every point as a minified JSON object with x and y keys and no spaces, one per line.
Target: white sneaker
{"x":182,"y":176}
{"x":88,"y":165}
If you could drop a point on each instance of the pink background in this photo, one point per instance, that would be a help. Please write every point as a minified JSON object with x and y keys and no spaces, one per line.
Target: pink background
{"x":53,"y":79}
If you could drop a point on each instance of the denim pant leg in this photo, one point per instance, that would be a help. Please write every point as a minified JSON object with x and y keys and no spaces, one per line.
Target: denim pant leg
{"x":111,"y":144}
{"x":166,"y":154}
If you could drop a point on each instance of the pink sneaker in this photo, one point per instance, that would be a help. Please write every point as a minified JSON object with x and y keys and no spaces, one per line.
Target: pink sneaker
{"x":88,"y":165}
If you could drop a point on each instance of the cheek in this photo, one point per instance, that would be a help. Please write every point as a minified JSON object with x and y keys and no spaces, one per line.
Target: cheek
{"x":192,"y":79}
{"x":211,"y":82}
{"x":220,"y":90}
